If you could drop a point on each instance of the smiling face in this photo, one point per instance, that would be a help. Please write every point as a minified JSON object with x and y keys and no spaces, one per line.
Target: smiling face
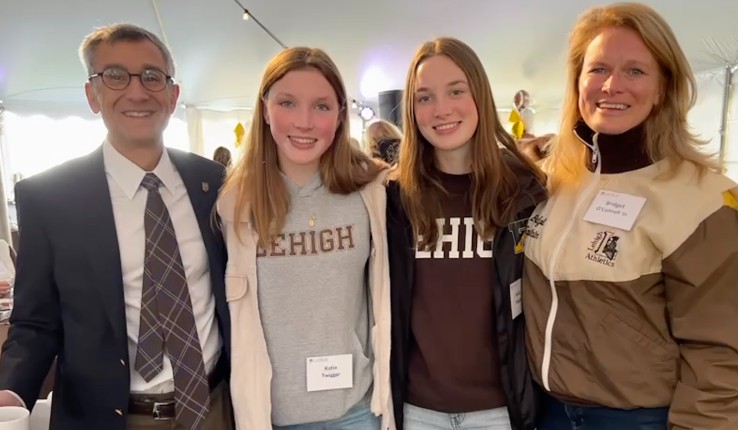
{"x":302,"y":111}
{"x":134,"y":116}
{"x":445,"y":111}
{"x":620,"y":82}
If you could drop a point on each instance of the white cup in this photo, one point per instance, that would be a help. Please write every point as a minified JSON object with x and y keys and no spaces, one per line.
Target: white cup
{"x":14,"y":418}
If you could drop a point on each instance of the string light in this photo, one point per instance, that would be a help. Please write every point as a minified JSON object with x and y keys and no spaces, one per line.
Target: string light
{"x":247,"y":14}
{"x":366,"y":112}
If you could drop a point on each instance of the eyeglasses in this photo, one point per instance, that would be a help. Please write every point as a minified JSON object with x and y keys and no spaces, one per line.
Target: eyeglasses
{"x":117,"y":78}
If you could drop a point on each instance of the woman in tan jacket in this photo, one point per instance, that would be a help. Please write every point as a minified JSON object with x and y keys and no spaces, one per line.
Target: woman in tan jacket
{"x":630,"y":284}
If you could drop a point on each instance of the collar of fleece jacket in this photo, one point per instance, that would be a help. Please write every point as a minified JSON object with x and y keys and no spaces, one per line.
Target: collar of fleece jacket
{"x":619,"y":153}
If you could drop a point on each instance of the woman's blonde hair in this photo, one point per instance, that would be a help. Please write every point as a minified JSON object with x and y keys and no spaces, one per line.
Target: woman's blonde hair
{"x":667,"y":134}
{"x":256,"y":180}
{"x":495,"y":184}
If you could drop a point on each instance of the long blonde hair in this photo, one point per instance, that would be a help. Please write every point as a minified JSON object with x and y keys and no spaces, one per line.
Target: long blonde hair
{"x":256,"y":179}
{"x":666,"y":129}
{"x":495,"y":184}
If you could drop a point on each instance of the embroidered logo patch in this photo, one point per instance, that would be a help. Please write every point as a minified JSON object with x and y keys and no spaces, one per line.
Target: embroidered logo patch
{"x":534,"y":225}
{"x":604,"y":248}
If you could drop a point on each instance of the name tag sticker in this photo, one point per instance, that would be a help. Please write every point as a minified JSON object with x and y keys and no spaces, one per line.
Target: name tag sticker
{"x":331,"y":372}
{"x":516,"y":298}
{"x":613,"y":209}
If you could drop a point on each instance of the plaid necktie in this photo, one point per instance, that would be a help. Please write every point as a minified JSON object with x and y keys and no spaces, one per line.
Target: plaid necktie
{"x":167,"y":322}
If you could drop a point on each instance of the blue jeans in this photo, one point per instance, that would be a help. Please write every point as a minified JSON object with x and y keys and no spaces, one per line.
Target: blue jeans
{"x":561,"y":416}
{"x":359,"y":417}
{"x":425,"y":419}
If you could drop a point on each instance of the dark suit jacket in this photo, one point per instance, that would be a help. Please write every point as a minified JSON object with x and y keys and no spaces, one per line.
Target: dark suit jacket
{"x":69,"y":289}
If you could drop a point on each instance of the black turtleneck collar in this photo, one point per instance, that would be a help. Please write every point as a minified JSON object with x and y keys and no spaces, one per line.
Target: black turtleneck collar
{"x":619,"y":153}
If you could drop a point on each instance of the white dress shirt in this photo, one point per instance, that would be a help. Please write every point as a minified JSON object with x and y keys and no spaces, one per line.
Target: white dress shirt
{"x":129,"y":205}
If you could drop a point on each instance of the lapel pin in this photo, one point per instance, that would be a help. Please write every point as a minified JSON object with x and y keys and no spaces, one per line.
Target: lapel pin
{"x":205,"y":187}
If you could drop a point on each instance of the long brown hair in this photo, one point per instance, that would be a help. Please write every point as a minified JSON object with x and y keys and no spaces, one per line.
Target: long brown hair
{"x":256,"y":180}
{"x":495,"y":185}
{"x":667,"y":130}
{"x":222,"y":155}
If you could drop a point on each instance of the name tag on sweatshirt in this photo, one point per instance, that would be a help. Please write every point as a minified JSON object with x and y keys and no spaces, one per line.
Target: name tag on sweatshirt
{"x":613,"y":209}
{"x":331,"y":372}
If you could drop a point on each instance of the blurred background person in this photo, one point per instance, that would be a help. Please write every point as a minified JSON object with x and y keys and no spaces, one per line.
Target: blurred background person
{"x":382,"y":141}
{"x":222,"y":155}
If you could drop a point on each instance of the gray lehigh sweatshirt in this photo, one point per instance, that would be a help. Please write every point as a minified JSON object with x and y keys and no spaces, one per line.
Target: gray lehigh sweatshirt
{"x":313,"y":301}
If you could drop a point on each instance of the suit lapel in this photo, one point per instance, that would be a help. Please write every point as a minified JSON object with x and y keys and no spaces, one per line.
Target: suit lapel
{"x":102,"y":242}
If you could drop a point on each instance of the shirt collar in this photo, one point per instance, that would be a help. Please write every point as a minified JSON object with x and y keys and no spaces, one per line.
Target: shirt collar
{"x":128,"y":175}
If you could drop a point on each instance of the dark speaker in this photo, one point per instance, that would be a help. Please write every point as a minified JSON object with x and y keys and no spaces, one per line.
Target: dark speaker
{"x":390,"y":107}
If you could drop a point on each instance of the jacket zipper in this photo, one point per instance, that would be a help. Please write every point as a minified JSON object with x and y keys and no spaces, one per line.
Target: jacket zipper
{"x":596,"y":160}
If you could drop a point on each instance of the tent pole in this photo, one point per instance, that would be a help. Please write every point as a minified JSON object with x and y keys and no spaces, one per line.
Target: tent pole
{"x":724,"y":117}
{"x":4,"y":219}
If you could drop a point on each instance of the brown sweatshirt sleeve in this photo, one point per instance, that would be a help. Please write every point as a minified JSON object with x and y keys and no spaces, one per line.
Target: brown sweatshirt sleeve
{"x":701,"y":279}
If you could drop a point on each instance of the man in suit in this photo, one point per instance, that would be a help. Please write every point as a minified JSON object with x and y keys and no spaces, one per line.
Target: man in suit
{"x":120,"y":265}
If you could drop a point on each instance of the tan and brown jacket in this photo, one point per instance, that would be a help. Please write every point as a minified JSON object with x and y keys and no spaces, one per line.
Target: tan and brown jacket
{"x":639,"y":318}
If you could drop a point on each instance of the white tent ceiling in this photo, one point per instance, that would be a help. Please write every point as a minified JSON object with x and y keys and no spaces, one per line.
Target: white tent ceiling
{"x":220,"y":57}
